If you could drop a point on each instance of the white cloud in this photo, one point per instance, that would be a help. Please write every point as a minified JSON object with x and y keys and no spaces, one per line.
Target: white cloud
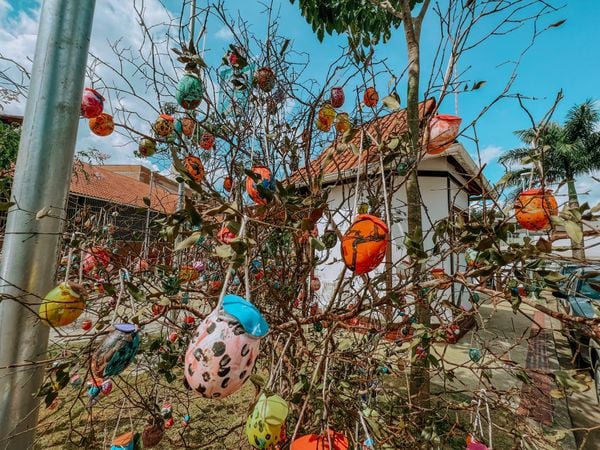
{"x":490,"y":154}
{"x":224,"y":33}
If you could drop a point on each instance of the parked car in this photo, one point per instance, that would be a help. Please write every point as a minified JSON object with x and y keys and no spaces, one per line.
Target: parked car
{"x":580,"y":296}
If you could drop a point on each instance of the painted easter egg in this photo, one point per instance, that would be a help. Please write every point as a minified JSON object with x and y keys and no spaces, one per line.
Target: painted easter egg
{"x":92,"y":103}
{"x":265,"y":426}
{"x":116,"y":351}
{"x":365,"y":243}
{"x":63,"y":304}
{"x":102,"y":124}
{"x":189,"y":91}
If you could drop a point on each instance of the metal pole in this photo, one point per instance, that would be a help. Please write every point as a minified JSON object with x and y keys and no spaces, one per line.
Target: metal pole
{"x":42,"y":176}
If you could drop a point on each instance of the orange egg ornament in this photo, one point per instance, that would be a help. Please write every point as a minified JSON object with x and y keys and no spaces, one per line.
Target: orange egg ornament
{"x":443,"y":130}
{"x":266,"y":181}
{"x":323,"y":126}
{"x":321,"y":442}
{"x":342,"y":123}
{"x":364,"y":244}
{"x":371,"y":97}
{"x":102,"y":125}
{"x":194,"y":166}
{"x":228,"y":184}
{"x":207,"y":141}
{"x":188,"y":125}
{"x":327,"y":114}
{"x":534,"y":207}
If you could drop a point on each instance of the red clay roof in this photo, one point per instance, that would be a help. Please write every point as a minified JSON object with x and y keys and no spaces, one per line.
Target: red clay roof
{"x":102,"y":184}
{"x":380,"y":128}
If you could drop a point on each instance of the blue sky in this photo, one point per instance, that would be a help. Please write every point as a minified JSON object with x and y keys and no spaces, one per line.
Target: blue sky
{"x":563,"y":58}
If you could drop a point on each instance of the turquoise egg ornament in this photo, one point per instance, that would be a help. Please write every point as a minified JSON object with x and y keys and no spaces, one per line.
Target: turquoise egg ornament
{"x":116,"y":351}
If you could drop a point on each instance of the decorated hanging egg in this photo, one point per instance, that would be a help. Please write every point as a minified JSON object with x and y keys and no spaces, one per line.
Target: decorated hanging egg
{"x":125,"y":441}
{"x":106,"y":387}
{"x":102,"y":125}
{"x":443,"y":130}
{"x":187,"y":274}
{"x":166,"y":411}
{"x":63,"y":304}
{"x":169,"y":422}
{"x":147,"y":147}
{"x":207,"y":141}
{"x":323,"y":126}
{"x":214,"y":286}
{"x":365,"y":243}
{"x":265,"y":79}
{"x":95,"y":259}
{"x":321,"y":442}
{"x":188,"y":125}
{"x":474,"y":354}
{"x":342,"y":123}
{"x":315,"y":284}
{"x":153,"y":432}
{"x":371,"y":97}
{"x":329,"y":239}
{"x":225,"y":236}
{"x":194,"y":166}
{"x":265,"y":426}
{"x":189,"y":91}
{"x":224,"y":348}
{"x":164,"y":125}
{"x":258,"y":191}
{"x":227,"y":184}
{"x":337,"y":97}
{"x":534,"y":207}
{"x":86,"y":325}
{"x":92,"y":103}
{"x":173,"y":337}
{"x":326,"y":115}
{"x":116,"y":351}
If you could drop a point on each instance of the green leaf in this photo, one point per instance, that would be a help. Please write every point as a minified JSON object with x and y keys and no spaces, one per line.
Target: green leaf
{"x":188,"y":242}
{"x":557,"y":24}
{"x":317,"y":244}
{"x":574,"y":232}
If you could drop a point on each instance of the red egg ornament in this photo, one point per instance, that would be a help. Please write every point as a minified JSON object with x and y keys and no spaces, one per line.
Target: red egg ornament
{"x":265,"y":79}
{"x":337,"y":97}
{"x":194,"y":166}
{"x":321,"y":442}
{"x":95,"y":258}
{"x":102,"y":125}
{"x":265,"y":180}
{"x":371,"y":97}
{"x":207,"y":141}
{"x":443,"y":130}
{"x":92,"y":103}
{"x":365,"y":243}
{"x":225,"y":236}
{"x":534,"y":207}
{"x":86,"y":325}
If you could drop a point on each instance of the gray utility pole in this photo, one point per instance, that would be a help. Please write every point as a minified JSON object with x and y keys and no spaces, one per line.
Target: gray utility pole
{"x":42,"y":177}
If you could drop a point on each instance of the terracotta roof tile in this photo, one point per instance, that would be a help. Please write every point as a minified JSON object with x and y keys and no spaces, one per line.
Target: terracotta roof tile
{"x":380,"y":128}
{"x":102,"y":184}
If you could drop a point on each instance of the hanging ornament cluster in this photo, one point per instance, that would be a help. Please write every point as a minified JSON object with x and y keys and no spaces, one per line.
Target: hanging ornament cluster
{"x":264,"y":78}
{"x":189,"y":91}
{"x":116,"y":351}
{"x":222,"y":353}
{"x":371,"y":97}
{"x":365,"y":243}
{"x":63,"y":304}
{"x":265,"y":426}
{"x":534,"y":207}
{"x":443,"y":130}
{"x":194,"y":167}
{"x":258,"y":190}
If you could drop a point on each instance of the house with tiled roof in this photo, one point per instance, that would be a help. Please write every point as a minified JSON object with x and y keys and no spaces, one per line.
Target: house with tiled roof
{"x":448,"y":182}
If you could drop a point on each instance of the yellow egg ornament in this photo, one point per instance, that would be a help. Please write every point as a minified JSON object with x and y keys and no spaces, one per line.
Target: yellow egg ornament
{"x":265,"y":427}
{"x":63,"y":304}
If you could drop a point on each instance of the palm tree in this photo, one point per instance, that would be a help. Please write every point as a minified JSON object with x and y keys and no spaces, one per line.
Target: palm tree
{"x":559,"y":154}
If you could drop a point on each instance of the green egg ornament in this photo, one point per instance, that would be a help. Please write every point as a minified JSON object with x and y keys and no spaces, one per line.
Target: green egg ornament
{"x":189,"y":91}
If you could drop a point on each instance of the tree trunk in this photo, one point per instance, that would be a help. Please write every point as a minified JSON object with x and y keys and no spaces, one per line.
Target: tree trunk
{"x":419,"y":377}
{"x":577,"y":248}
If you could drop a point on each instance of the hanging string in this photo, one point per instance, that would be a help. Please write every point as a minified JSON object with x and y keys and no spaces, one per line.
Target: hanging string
{"x":358,"y":167}
{"x":118,"y":420}
{"x":120,"y":295}
{"x":279,"y":364}
{"x":366,"y":430}
{"x":81,"y":254}
{"x":69,"y":258}
{"x":386,"y":204}
{"x":230,"y":269}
